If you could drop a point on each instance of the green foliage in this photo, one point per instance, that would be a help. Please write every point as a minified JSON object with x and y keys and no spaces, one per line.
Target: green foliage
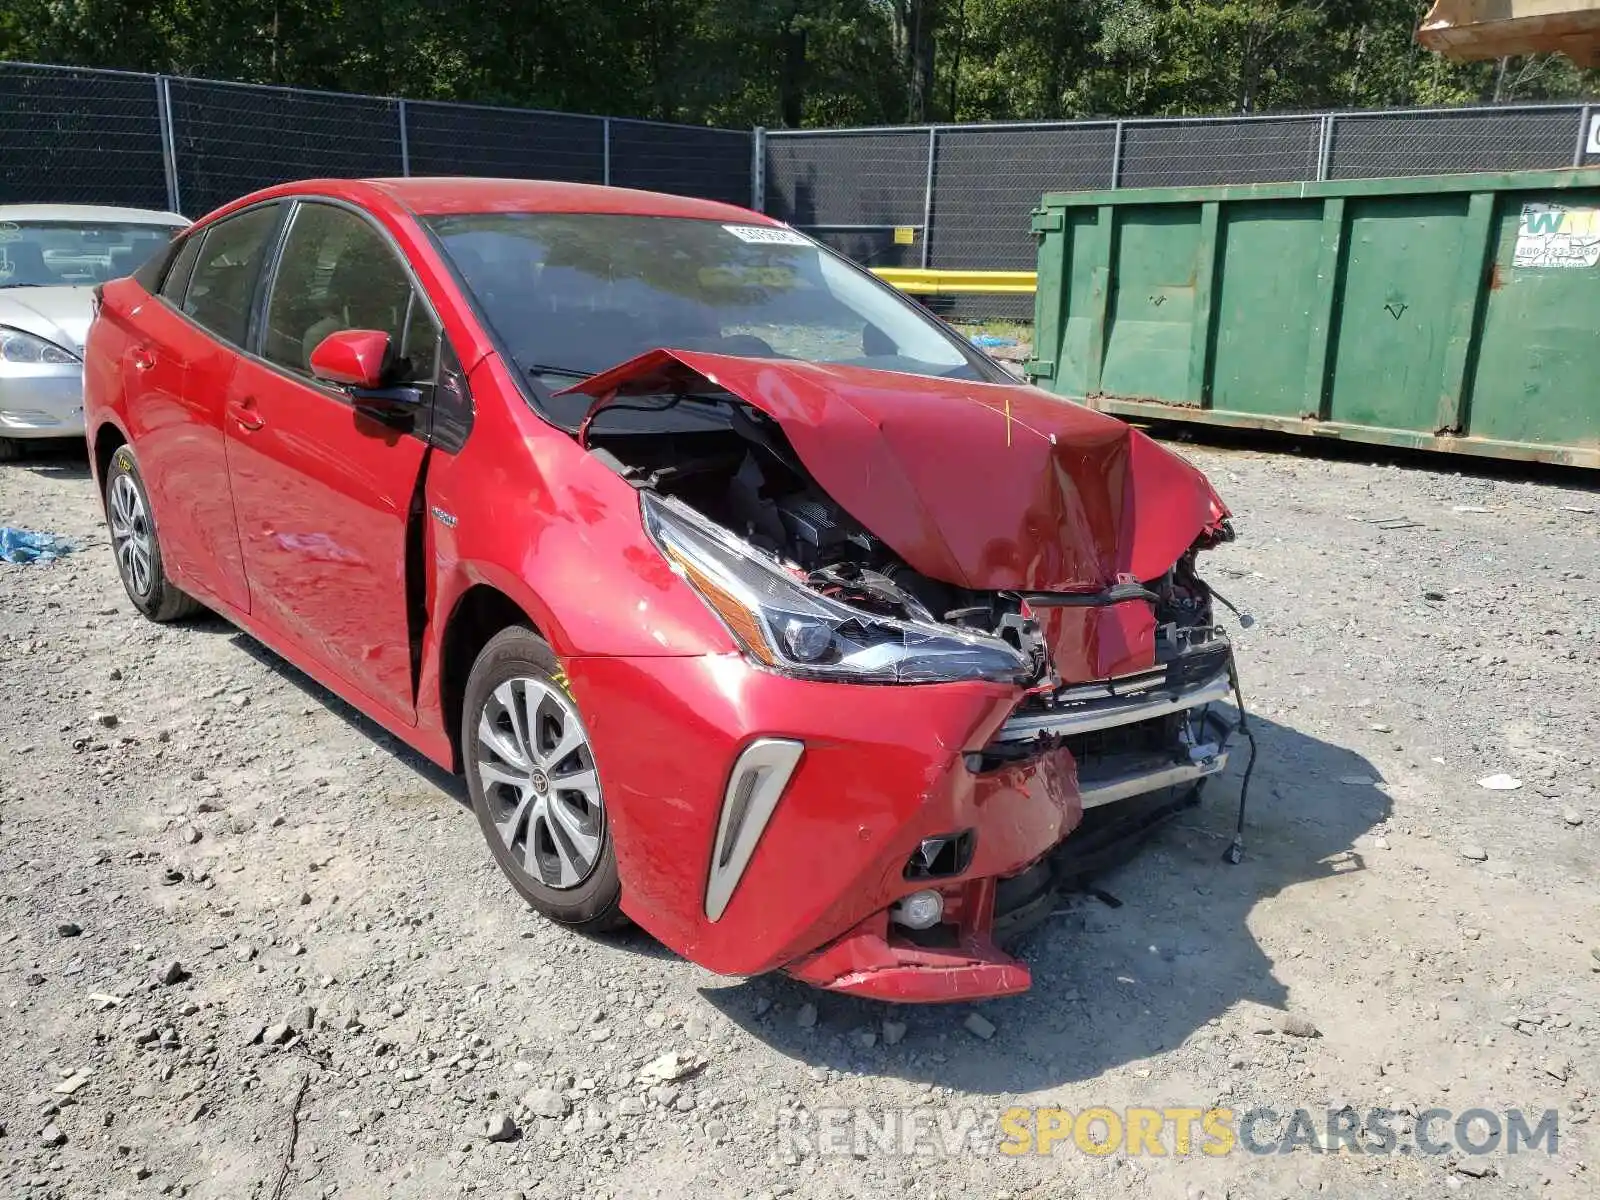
{"x":811,"y":62}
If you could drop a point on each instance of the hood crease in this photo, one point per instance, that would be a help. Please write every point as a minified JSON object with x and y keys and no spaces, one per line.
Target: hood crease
{"x":988,"y":486}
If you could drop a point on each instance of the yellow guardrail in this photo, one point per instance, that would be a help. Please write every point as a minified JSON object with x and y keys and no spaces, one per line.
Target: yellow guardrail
{"x":922,"y":281}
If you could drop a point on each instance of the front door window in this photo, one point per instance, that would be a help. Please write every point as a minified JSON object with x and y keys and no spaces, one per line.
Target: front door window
{"x":337,"y":272}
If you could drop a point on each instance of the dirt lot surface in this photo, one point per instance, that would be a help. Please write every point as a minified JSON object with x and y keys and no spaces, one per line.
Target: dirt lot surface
{"x":250,"y":948}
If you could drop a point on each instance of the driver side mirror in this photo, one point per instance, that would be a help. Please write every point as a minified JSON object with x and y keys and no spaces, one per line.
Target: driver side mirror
{"x":360,"y":362}
{"x":354,"y":358}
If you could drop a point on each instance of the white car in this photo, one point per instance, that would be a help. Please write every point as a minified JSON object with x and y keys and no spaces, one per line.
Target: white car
{"x":51,"y":258}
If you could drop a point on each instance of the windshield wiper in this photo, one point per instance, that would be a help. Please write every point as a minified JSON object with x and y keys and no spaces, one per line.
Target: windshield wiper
{"x":564,"y":372}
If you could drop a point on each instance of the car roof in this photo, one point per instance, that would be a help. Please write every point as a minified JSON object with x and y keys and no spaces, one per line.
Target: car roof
{"x":440,"y":195}
{"x":89,"y":213}
{"x":434,"y":196}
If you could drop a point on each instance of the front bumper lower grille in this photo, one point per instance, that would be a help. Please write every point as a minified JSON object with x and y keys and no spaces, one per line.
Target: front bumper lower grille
{"x":1133,"y":734}
{"x":1124,"y":701}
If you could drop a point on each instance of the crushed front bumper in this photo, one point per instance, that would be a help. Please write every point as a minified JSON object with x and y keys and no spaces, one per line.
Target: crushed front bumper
{"x":41,"y":400}
{"x":762,"y":822}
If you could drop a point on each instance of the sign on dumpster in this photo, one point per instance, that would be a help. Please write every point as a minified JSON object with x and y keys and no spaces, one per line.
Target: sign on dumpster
{"x":1550,"y":235}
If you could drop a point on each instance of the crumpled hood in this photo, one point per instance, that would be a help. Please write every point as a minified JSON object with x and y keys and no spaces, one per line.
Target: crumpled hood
{"x":988,"y":486}
{"x":57,"y":314}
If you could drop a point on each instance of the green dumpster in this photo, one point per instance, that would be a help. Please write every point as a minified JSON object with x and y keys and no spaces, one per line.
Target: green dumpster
{"x":1454,"y":312}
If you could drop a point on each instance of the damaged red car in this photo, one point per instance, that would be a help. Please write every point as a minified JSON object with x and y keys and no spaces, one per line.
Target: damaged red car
{"x":754,"y":603}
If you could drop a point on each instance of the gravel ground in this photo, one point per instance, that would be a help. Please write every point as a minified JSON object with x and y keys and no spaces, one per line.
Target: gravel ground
{"x":253,"y":948}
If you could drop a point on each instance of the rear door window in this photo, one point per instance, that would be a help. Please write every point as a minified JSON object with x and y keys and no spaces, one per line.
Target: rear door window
{"x":225,"y":271}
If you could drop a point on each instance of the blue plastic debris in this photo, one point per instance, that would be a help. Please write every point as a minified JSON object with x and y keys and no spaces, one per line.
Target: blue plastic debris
{"x":21,"y":546}
{"x":992,"y":341}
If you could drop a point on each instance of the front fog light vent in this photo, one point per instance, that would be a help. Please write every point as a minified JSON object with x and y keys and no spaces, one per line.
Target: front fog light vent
{"x":754,"y":788}
{"x":920,"y":910}
{"x":941,"y":857}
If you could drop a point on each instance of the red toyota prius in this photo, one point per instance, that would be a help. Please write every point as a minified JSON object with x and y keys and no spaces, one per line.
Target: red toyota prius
{"x":754,"y":603}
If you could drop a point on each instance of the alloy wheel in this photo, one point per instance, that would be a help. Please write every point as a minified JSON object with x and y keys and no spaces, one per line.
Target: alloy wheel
{"x":130,"y":534}
{"x":538,"y":776}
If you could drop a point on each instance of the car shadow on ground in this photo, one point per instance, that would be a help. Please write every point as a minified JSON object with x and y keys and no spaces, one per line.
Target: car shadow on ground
{"x":452,"y":785}
{"x":55,"y":458}
{"x":1116,"y":979}
{"x":1115,"y":985}
{"x":631,"y":938}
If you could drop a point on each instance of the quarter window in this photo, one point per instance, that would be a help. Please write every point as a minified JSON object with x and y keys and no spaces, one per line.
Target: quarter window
{"x":337,"y":272}
{"x":224,"y":276}
{"x":177,"y":281}
{"x":421,"y":347}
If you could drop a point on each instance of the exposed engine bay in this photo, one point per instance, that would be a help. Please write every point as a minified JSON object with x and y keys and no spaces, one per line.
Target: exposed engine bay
{"x":874,"y":528}
{"x":746,"y":478}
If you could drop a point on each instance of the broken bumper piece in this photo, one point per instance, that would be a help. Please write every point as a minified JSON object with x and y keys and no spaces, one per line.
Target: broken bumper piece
{"x":1140,"y":781}
{"x":958,"y":958}
{"x":878,"y":960}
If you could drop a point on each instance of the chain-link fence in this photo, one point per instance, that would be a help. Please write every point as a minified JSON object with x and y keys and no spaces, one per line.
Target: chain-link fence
{"x":688,"y":160}
{"x":952,"y":196}
{"x":1374,"y":145}
{"x":230,"y":139}
{"x":853,"y":190}
{"x":958,"y":196}
{"x":71,"y":136}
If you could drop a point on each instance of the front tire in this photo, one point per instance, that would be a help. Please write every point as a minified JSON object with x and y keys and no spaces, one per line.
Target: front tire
{"x":138,"y":549}
{"x":10,"y":449}
{"x":534,"y":785}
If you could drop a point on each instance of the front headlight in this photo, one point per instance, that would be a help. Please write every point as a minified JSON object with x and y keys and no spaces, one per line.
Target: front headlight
{"x":19,"y":347}
{"x":785,"y":625}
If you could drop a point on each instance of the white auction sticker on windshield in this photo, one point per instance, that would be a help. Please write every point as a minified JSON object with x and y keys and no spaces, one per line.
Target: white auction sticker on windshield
{"x":770,"y":235}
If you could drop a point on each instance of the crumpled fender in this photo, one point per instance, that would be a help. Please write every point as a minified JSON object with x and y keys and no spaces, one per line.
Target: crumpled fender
{"x":984,"y":485}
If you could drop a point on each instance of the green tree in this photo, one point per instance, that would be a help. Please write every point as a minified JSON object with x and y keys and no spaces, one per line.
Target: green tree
{"x":801,"y":62}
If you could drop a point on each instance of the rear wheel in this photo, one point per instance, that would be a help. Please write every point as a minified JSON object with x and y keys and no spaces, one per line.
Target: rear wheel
{"x":10,"y":449}
{"x":138,"y":550}
{"x":535,"y":790}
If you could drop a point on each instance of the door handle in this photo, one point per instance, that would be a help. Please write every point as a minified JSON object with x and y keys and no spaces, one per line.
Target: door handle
{"x":244,"y":413}
{"x":143,"y":360}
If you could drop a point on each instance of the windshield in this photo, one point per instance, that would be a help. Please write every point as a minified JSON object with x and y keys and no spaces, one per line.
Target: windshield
{"x":68,"y":253}
{"x":575,"y":293}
